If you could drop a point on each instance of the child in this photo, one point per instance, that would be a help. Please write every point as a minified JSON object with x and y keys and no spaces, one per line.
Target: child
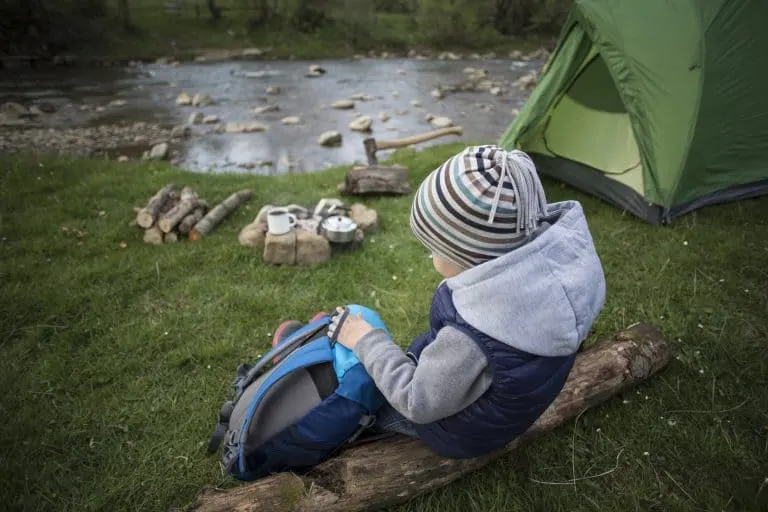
{"x":523,"y":285}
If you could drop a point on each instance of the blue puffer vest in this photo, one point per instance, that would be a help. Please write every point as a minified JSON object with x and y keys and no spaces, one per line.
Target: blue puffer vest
{"x":523,"y":386}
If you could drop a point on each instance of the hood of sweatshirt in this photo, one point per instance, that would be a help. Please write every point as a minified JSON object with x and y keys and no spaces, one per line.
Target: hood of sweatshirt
{"x":543,"y":296}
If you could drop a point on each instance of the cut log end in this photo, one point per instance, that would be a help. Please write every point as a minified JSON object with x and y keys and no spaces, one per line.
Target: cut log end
{"x":374,"y":475}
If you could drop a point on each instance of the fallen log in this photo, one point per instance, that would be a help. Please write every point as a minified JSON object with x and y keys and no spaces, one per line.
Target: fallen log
{"x":215,"y":216}
{"x":188,"y":202}
{"x":376,"y":180}
{"x":148,"y":215}
{"x":153,"y":236}
{"x":395,"y":470}
{"x":171,"y":238}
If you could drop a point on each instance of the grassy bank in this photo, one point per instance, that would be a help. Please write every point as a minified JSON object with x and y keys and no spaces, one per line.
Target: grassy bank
{"x":115,"y":361}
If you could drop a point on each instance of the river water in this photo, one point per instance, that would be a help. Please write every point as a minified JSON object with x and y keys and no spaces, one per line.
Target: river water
{"x":87,"y":97}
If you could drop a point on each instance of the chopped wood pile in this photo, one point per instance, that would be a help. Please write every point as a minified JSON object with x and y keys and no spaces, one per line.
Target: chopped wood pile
{"x":174,"y":213}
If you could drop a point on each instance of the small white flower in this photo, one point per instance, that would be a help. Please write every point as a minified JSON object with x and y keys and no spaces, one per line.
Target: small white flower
{"x":165,"y":333}
{"x":699,"y":326}
{"x":685,"y":242}
{"x":598,"y":429}
{"x":746,"y":290}
{"x":722,"y":280}
{"x":701,"y":371}
{"x":625,"y":401}
{"x":394,"y":278}
{"x":269,"y":334}
{"x":671,"y":422}
{"x":209,"y":367}
{"x":646,"y":454}
{"x":646,"y":397}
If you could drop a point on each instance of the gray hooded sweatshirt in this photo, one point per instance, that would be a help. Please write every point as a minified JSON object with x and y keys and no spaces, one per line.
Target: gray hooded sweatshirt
{"x":540,"y":298}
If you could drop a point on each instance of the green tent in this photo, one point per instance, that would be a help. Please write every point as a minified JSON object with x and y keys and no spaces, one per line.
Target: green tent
{"x":658,"y":106}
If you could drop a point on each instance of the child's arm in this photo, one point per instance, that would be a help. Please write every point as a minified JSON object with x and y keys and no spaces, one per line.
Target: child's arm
{"x":452,"y":372}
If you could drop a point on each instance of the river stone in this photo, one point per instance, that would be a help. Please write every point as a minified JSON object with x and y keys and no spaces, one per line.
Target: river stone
{"x":343,"y":104}
{"x":290,"y":120}
{"x":184,"y":99}
{"x":210,"y":119}
{"x":311,"y":248}
{"x":252,"y":52}
{"x":516,"y":55}
{"x":196,"y":118}
{"x":429,"y":117}
{"x":266,"y":108}
{"x":122,"y":159}
{"x":330,"y":138}
{"x":437,"y":93}
{"x":12,"y":109}
{"x":441,"y":122}
{"x":272,"y":90}
{"x":366,"y":218}
{"x":527,"y":81}
{"x":254,"y":234}
{"x":383,"y":117}
{"x":361,"y":96}
{"x":415,"y":103}
{"x":181,"y":131}
{"x":159,"y":152}
{"x":496,"y":91}
{"x":245,"y":127}
{"x":202,"y":100}
{"x":117,"y":103}
{"x":401,"y":111}
{"x":361,"y":124}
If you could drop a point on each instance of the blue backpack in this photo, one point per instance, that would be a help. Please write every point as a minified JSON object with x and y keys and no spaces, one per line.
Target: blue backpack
{"x":297,"y":405}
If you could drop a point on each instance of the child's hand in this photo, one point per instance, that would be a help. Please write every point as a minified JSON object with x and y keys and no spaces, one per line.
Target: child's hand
{"x":351,"y":330}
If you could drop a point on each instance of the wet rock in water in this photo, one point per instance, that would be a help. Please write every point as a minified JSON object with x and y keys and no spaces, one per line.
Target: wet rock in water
{"x":256,"y":74}
{"x":182,"y":131}
{"x":496,"y":91}
{"x":361,"y":124}
{"x":273,"y":89}
{"x":441,"y":122}
{"x":100,"y":109}
{"x":429,"y":117}
{"x":360,"y":96}
{"x":330,"y":138}
{"x":343,"y":104}
{"x":212,"y":119}
{"x":162,"y":61}
{"x":159,"y":152}
{"x":195,"y":118}
{"x":383,"y":117}
{"x":35,"y":111}
{"x":45,"y":107}
{"x":395,"y":94}
{"x":202,"y":100}
{"x":290,"y":120}
{"x":122,"y":159}
{"x":438,"y":93}
{"x":470,"y":70}
{"x":12,"y":109}
{"x":541,"y":53}
{"x":117,"y":103}
{"x":401,"y":111}
{"x":315,"y":71}
{"x":415,"y":103}
{"x":515,"y":112}
{"x":400,"y":71}
{"x":527,"y":81}
{"x":489,"y":56}
{"x":516,"y":55}
{"x":175,"y":64}
{"x":184,"y":99}
{"x":266,"y":108}
{"x":245,"y":127}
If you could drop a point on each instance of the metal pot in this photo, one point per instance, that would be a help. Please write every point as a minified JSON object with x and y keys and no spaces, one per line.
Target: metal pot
{"x":338,"y":229}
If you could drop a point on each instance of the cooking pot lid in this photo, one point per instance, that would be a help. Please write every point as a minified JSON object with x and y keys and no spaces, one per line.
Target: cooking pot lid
{"x":339,"y":223}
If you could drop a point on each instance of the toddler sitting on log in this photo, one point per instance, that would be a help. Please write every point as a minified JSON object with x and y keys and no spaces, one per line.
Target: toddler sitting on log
{"x":522,"y":286}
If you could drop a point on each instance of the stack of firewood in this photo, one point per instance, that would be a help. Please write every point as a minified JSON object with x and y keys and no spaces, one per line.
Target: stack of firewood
{"x":173,"y":213}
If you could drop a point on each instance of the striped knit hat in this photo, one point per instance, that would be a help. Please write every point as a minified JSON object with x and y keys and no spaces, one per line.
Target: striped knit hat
{"x":478,"y":205}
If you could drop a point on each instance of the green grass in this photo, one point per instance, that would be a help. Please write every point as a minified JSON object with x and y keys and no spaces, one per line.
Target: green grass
{"x":114,"y":362}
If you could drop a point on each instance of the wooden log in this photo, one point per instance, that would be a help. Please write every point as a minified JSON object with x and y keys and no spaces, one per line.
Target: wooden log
{"x":148,"y":215}
{"x":170,"y":238}
{"x":376,"y":180}
{"x":153,"y":236}
{"x":188,"y":222}
{"x":392,"y":471}
{"x":215,"y":216}
{"x":187,"y":203}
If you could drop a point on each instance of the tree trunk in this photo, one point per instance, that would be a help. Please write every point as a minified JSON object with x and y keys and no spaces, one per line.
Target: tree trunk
{"x":376,"y":180}
{"x":215,"y":216}
{"x":188,"y":202}
{"x":215,"y":11}
{"x":393,"y":471}
{"x":148,"y":215}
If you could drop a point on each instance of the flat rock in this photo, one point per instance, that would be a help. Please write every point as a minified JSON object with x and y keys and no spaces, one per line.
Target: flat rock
{"x":366,"y":218}
{"x":12,"y":109}
{"x":202,"y":100}
{"x":280,"y":249}
{"x":361,"y":124}
{"x":415,"y":103}
{"x":441,"y":122}
{"x":212,"y":119}
{"x":343,"y":104}
{"x":290,"y":120}
{"x":272,"y":90}
{"x":181,"y":131}
{"x":330,"y":138}
{"x":311,"y":248}
{"x":401,"y":111}
{"x":437,"y":93}
{"x":245,"y":127}
{"x":266,"y":108}
{"x":195,"y":118}
{"x":360,"y":96}
{"x":383,"y":117}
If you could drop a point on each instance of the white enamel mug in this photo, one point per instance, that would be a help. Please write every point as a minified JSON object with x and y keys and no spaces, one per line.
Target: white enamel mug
{"x":279,"y":221}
